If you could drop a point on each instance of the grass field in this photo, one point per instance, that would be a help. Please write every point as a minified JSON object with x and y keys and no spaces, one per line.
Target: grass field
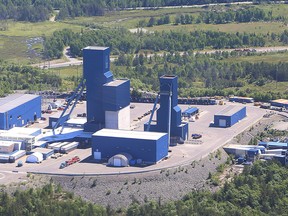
{"x":26,"y":29}
{"x":255,"y":27}
{"x":130,"y":18}
{"x":14,"y":45}
{"x":67,"y":71}
{"x":265,"y":57}
{"x":269,"y":87}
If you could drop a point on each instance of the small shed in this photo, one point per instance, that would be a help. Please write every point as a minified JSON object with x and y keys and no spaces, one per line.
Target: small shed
{"x":36,"y":157}
{"x":190,"y":112}
{"x":120,"y":160}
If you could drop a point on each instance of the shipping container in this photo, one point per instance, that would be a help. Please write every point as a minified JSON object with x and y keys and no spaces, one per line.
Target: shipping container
{"x":241,"y":99}
{"x":69,"y":147}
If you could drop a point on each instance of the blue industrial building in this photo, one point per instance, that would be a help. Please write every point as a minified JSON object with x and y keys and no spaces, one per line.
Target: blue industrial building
{"x":280,"y":103}
{"x":190,"y":112}
{"x":229,"y":116}
{"x":107,"y":99}
{"x":148,"y":147}
{"x":169,"y":114}
{"x":18,"y":110}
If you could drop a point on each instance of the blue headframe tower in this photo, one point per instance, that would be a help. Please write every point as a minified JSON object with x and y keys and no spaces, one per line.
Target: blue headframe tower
{"x":169,"y":113}
{"x":107,"y":99}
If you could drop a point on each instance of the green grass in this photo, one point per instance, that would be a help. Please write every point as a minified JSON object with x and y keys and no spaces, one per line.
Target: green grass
{"x":277,"y":9}
{"x":68,"y":71}
{"x":13,"y":49}
{"x":256,"y":27}
{"x":269,"y":87}
{"x":26,"y":29}
{"x":130,"y":19}
{"x":13,"y":46}
{"x":265,"y":57}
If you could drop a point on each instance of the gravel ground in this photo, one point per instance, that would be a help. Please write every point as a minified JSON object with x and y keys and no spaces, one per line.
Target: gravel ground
{"x":274,"y":120}
{"x":120,"y":190}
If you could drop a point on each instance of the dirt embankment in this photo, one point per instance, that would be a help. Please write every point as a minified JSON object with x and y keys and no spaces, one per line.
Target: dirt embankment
{"x":120,"y":190}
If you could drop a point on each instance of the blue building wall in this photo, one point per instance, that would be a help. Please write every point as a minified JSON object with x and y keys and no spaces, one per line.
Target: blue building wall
{"x":230,"y":119}
{"x":96,"y":71}
{"x":169,"y":84}
{"x":101,"y":95}
{"x":21,"y":115}
{"x":116,"y":96}
{"x":150,"y":151}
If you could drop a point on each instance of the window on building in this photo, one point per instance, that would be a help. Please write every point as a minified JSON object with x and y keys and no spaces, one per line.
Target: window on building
{"x":19,"y":117}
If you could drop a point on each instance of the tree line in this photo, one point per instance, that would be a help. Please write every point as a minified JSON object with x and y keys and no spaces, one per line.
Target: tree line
{"x":18,"y":77}
{"x":246,"y":14}
{"x":37,"y":11}
{"x":120,"y":40}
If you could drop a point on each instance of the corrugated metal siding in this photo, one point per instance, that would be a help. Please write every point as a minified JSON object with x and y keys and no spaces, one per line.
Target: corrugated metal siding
{"x":22,"y":114}
{"x":149,"y":151}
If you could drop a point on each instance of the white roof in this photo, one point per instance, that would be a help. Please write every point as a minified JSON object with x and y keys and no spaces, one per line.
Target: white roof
{"x":24,"y":131}
{"x":12,"y":101}
{"x":129,"y":134}
{"x":96,"y":48}
{"x":77,"y":121}
{"x":116,"y":82}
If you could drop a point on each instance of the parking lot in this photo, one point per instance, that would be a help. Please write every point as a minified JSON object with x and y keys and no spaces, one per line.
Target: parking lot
{"x":212,"y":138}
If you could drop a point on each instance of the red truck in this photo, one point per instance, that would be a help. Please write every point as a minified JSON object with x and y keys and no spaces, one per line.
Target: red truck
{"x":69,"y":162}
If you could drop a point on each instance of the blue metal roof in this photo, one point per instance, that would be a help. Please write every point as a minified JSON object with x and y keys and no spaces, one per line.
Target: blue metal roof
{"x":14,"y":100}
{"x":191,"y":110}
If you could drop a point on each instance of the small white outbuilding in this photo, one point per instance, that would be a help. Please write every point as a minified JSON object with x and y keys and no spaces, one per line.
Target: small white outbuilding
{"x":36,"y":157}
{"x":120,"y":160}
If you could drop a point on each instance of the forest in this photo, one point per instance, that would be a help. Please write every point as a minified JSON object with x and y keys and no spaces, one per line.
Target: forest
{"x":37,"y":10}
{"x":242,"y":15}
{"x":260,"y":190}
{"x":120,"y":40}
{"x":17,"y":77}
{"x":217,"y":76}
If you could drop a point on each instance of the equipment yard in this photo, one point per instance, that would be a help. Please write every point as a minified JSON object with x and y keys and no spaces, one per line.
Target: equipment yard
{"x":212,"y":139}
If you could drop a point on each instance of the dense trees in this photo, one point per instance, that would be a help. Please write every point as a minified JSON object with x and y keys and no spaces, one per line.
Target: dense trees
{"x":35,"y":11}
{"x":16,"y":77}
{"x":25,"y":10}
{"x":49,"y":200}
{"x":122,"y":41}
{"x":216,"y":76}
